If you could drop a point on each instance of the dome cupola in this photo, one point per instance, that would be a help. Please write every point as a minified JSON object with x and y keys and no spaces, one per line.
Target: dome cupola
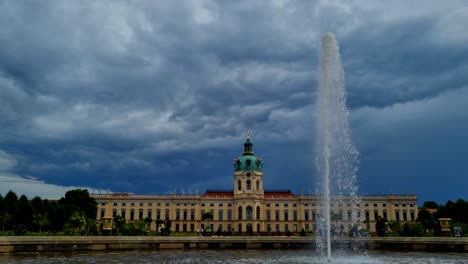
{"x":248,"y":161}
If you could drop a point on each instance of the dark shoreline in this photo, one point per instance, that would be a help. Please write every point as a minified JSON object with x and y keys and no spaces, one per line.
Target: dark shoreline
{"x":42,"y":244}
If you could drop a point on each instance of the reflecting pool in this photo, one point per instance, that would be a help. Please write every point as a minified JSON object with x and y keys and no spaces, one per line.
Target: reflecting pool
{"x":236,"y":256}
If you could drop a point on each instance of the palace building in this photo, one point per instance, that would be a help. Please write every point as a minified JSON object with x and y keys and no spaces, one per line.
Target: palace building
{"x":249,"y":208}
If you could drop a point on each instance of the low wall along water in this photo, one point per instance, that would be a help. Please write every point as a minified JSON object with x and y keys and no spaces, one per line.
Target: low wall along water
{"x":20,"y":244}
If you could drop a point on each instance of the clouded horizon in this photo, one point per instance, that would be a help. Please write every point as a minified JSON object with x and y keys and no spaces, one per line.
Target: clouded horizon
{"x":156,"y":96}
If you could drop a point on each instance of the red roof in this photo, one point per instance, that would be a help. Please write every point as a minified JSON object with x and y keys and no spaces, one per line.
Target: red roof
{"x":279,"y":194}
{"x":218,"y":194}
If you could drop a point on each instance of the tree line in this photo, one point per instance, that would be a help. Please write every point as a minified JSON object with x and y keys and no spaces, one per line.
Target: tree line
{"x":428,"y":223}
{"x":73,"y":213}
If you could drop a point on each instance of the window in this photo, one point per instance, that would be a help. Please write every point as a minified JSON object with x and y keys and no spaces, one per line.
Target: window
{"x":412,"y":215}
{"x":178,"y":215}
{"x":306,"y":215}
{"x":367,"y":215}
{"x":140,"y":214}
{"x":376,"y":214}
{"x":229,"y":215}
{"x":123,"y":213}
{"x":132,"y":204}
{"x":385,"y":214}
{"x":249,"y":212}
{"x":349,"y":215}
{"x":295,"y":215}
{"x":114,"y":213}
{"x":257,"y":214}
{"x":141,"y":204}
{"x":211,"y":205}
{"x":314,"y":216}
{"x":149,"y":213}
{"x":115,"y":204}
{"x":192,"y":215}
{"x":220,"y":215}
{"x":132,"y":215}
{"x":167,"y":214}
{"x":239,"y":213}
{"x":124,"y":204}
{"x":248,"y":162}
{"x":277,"y":215}
{"x":185,"y":215}
{"x":268,"y":215}
{"x":239,"y":185}
{"x":285,"y":205}
{"x":397,"y":216}
{"x":248,"y":185}
{"x":102,"y":213}
{"x":375,"y":205}
{"x":257,"y":185}
{"x":405,"y":216}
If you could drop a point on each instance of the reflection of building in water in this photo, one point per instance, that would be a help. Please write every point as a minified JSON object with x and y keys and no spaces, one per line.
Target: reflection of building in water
{"x":250,"y":207}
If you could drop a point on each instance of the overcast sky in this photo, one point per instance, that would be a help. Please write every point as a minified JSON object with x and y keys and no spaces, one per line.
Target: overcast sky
{"x":156,"y":96}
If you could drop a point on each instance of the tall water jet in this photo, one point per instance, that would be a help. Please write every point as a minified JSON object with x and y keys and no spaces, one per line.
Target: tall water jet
{"x":337,"y":157}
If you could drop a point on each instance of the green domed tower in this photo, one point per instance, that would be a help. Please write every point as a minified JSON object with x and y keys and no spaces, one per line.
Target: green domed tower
{"x":248,"y":174}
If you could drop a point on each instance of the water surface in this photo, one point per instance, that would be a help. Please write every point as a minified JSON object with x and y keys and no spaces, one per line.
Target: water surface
{"x":237,"y":256}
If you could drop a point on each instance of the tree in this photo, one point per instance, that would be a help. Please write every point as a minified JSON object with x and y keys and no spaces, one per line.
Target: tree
{"x":10,"y":201}
{"x":208,"y":216}
{"x":37,"y":206}
{"x":40,"y":220}
{"x":77,"y":220}
{"x":24,"y":212}
{"x":148,"y":222}
{"x":5,"y":220}
{"x":426,"y":219}
{"x":79,"y":200}
{"x":119,"y":223}
{"x":430,"y":205}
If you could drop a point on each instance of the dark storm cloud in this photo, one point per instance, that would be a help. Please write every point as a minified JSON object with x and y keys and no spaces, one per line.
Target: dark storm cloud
{"x":155,"y":96}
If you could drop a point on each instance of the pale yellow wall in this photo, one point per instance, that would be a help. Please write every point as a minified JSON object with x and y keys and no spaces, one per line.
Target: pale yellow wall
{"x":380,"y":204}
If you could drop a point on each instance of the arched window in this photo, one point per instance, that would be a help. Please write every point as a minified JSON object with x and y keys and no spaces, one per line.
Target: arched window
{"x":257,"y":185}
{"x":249,"y":212}
{"x":258,"y":213}
{"x":249,"y":187}
{"x":239,"y":213}
{"x":239,"y":185}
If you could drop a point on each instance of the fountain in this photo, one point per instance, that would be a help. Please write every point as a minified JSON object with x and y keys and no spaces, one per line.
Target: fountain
{"x":336,"y":154}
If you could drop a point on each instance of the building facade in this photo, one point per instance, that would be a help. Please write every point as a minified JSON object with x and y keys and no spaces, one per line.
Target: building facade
{"x":249,"y":208}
